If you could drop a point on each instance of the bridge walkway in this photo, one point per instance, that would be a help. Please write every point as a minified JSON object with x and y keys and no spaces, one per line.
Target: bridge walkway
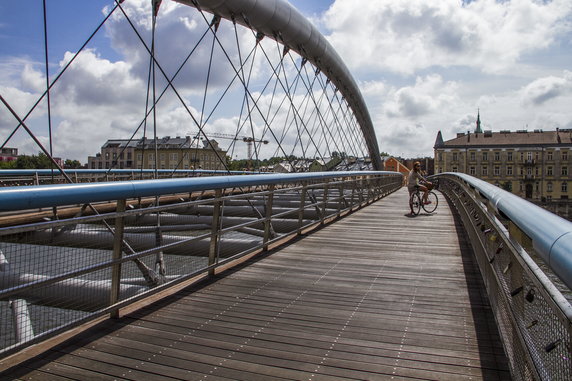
{"x":378,"y":295}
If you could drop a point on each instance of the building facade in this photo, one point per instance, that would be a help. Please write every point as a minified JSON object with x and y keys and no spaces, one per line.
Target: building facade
{"x":534,"y":165}
{"x":8,"y":154}
{"x":163,"y":153}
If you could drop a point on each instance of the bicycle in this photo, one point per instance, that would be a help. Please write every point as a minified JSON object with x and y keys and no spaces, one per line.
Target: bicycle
{"x":416,"y":201}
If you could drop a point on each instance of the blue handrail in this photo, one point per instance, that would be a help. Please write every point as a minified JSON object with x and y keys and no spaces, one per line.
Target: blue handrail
{"x":551,"y":235}
{"x":55,"y":171}
{"x":41,"y":196}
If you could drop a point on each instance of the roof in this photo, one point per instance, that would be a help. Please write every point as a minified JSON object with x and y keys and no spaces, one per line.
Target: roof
{"x":508,"y":138}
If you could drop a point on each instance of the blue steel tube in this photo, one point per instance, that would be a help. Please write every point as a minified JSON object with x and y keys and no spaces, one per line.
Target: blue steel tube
{"x":551,"y":235}
{"x":41,"y":196}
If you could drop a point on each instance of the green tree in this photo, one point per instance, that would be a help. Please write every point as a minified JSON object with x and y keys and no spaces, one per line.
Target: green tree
{"x":40,"y":161}
{"x":72,"y":164}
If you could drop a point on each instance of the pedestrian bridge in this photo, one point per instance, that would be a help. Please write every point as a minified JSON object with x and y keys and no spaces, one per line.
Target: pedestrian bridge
{"x":115,"y":272}
{"x":342,"y":283}
{"x":376,"y":295}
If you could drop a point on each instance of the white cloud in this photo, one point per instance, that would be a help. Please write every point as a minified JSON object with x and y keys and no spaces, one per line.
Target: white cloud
{"x":428,"y":95}
{"x":545,"y":89}
{"x":407,"y":35}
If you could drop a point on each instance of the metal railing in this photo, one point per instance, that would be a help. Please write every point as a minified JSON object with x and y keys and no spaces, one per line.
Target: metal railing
{"x":19,"y":177}
{"x":507,"y":233}
{"x":72,"y":253}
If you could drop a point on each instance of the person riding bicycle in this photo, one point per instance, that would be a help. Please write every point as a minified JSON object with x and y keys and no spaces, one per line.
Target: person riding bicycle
{"x":416,"y":180}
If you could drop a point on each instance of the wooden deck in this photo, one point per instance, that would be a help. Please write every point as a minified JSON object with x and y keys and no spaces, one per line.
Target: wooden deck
{"x":378,"y":295}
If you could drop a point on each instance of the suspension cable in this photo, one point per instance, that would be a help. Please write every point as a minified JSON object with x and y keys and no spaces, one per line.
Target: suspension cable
{"x":58,"y":77}
{"x":48,"y":84}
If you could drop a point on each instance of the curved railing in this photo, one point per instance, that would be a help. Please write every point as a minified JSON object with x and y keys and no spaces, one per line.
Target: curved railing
{"x":16,"y":177}
{"x":74,"y":252}
{"x":511,"y":238}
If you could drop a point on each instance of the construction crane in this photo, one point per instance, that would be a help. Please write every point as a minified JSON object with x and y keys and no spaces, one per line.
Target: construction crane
{"x":249,"y":140}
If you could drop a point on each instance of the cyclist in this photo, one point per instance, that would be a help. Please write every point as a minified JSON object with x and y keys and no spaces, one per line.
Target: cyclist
{"x":417,"y":180}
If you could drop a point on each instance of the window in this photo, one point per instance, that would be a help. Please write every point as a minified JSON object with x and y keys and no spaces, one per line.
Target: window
{"x":529,"y":156}
{"x":529,"y":171}
{"x":564,"y":187}
{"x":114,"y":155}
{"x":473,"y":156}
{"x":509,"y":156}
{"x":564,"y":171}
{"x":139,"y":157}
{"x":497,"y":156}
{"x":454,"y":169}
{"x":485,"y":156}
{"x":522,"y":156}
{"x":162,"y":156}
{"x":455,"y":156}
{"x":564,"y":155}
{"x":440,"y":156}
{"x":485,"y":171}
{"x":509,"y":170}
{"x":151,"y":156}
{"x":549,"y":171}
{"x":549,"y":186}
{"x":497,"y":170}
{"x":107,"y":156}
{"x":472,"y":171}
{"x":174,"y":157}
{"x":549,"y":155}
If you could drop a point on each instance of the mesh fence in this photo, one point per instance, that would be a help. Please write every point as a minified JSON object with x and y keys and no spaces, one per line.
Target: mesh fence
{"x":60,"y":271}
{"x":532,"y":315}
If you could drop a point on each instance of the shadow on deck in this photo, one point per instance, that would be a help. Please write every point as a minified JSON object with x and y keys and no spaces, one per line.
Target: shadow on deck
{"x":377,"y":295}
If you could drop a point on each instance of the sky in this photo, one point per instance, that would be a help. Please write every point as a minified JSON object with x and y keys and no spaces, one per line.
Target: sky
{"x":423,"y":66}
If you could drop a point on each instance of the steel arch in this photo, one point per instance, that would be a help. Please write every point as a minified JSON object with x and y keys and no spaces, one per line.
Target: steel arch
{"x":279,"y":20}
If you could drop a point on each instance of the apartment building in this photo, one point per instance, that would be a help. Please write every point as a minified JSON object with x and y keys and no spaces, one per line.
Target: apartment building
{"x":535,"y":164}
{"x":164,"y":153}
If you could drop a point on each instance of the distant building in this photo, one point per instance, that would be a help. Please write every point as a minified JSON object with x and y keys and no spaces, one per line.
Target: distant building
{"x":392,"y":164}
{"x":534,"y":165}
{"x":427,"y":164}
{"x":173,"y":153}
{"x":8,"y":154}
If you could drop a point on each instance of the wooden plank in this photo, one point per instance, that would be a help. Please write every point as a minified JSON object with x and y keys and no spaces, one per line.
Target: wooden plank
{"x":376,"y":295}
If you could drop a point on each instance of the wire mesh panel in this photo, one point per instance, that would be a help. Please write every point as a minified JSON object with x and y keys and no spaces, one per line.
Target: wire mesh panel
{"x":81,"y":264}
{"x":533,"y":316}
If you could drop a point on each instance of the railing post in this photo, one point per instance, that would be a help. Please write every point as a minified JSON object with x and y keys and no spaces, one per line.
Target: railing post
{"x":360,"y":185}
{"x":302,"y":205}
{"x":341,"y":196}
{"x":354,"y":184}
{"x":213,"y":248}
{"x":325,"y":201}
{"x":268,"y":216}
{"x":117,"y":253}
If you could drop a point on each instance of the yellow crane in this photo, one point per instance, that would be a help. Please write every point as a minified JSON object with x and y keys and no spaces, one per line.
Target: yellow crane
{"x":249,"y":140}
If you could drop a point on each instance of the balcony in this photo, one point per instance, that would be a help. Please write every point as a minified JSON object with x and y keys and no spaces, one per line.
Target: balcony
{"x":529,"y":162}
{"x":528,"y":177}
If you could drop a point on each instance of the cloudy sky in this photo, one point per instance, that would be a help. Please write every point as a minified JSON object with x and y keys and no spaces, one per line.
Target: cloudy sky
{"x":422,"y":65}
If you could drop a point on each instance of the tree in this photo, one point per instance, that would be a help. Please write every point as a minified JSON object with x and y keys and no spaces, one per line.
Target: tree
{"x":41,"y":161}
{"x":72,"y":164}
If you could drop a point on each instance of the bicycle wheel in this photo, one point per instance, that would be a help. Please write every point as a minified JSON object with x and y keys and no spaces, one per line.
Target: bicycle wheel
{"x":430,"y":208}
{"x":415,"y":203}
